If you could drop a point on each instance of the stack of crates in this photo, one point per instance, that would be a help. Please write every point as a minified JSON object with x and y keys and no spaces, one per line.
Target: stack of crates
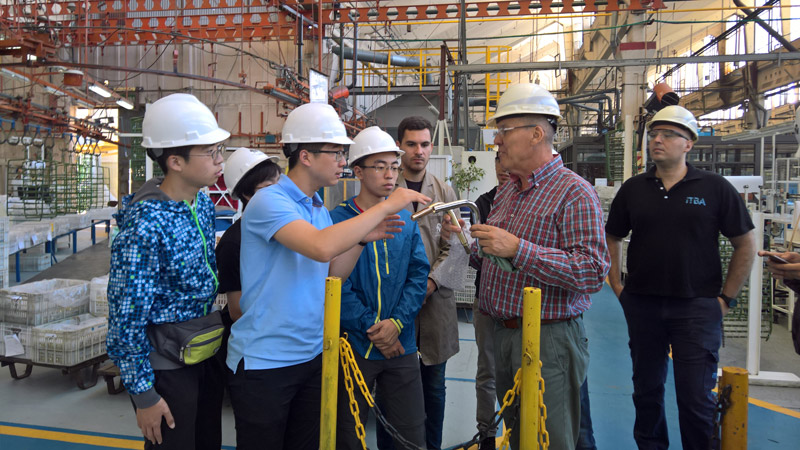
{"x":735,"y":323}
{"x":34,"y":259}
{"x":465,"y":297}
{"x":98,"y":296}
{"x":49,"y":319}
{"x":5,"y":227}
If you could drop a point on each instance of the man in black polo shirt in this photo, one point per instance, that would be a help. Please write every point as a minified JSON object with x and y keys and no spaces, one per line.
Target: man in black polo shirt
{"x":674,"y":295}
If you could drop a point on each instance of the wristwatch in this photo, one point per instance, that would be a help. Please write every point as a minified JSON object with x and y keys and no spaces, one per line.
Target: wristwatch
{"x":731,"y":302}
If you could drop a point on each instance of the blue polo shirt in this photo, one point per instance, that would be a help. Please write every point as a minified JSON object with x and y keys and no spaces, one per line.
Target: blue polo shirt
{"x":283,"y":292}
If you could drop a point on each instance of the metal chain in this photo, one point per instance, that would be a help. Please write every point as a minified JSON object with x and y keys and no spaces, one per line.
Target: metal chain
{"x":351,"y":371}
{"x":544,"y":436}
{"x":508,"y":400}
{"x":723,"y":403}
{"x":348,"y":383}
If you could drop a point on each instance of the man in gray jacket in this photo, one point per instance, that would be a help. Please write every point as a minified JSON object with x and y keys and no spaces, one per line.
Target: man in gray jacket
{"x":437,"y":322}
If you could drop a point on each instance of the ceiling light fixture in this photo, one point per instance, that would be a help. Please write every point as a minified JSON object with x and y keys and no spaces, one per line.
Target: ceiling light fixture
{"x":125,"y":104}
{"x":99,"y":90}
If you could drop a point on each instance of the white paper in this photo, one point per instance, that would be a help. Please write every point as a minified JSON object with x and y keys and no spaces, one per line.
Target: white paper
{"x":34,"y":239}
{"x":13,"y":345}
{"x":20,"y":245}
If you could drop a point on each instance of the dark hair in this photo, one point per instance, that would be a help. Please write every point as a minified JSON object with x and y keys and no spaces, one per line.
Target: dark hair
{"x":413,"y":123}
{"x":246,"y":187}
{"x":164,"y":153}
{"x":292,"y":151}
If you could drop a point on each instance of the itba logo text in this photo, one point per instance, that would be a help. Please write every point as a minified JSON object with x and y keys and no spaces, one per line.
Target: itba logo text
{"x":696,"y":201}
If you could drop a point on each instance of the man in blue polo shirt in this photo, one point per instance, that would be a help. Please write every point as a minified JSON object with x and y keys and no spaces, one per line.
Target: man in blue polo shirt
{"x":674,"y":296}
{"x":289,"y":247}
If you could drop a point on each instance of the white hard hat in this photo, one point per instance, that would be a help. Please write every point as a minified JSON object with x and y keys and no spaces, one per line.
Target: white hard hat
{"x":242,"y":161}
{"x":677,"y":115}
{"x":525,"y":98}
{"x":178,"y":120}
{"x":370,"y":141}
{"x":314,"y":123}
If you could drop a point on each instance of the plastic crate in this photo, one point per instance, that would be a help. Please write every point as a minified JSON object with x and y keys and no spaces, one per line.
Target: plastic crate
{"x":44,"y":301}
{"x":98,"y":296}
{"x":466,"y":296}
{"x":34,"y":263}
{"x":23,"y":333}
{"x":70,"y":341}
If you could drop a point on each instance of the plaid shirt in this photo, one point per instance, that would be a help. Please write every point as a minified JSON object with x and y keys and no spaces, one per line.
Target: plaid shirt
{"x":562,"y":249}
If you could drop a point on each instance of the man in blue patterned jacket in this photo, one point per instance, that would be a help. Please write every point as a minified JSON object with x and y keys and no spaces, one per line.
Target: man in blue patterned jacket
{"x":163,"y":271}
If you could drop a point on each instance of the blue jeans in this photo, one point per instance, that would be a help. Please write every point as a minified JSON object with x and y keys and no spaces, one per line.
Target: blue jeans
{"x":693,"y":328}
{"x":586,"y":434}
{"x":433,"y":390}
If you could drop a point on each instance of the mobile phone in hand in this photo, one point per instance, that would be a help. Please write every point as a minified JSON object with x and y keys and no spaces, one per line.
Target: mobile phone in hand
{"x":777,"y":259}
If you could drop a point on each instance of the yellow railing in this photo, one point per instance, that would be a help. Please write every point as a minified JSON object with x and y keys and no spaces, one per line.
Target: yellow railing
{"x":330,"y":363}
{"x":495,"y":83}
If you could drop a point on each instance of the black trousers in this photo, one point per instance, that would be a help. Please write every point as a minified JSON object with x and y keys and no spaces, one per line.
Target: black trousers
{"x":194,"y":396}
{"x":399,"y":384}
{"x":277,"y":408}
{"x":692,"y":328}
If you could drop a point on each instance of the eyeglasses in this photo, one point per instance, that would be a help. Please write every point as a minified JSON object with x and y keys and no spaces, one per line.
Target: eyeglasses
{"x":340,"y":154}
{"x":385,"y":169}
{"x":667,"y":134}
{"x":503,"y":131}
{"x":213,"y":153}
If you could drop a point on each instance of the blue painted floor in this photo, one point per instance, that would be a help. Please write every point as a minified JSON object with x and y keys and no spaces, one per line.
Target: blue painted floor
{"x":610,"y":389}
{"x":49,"y":402}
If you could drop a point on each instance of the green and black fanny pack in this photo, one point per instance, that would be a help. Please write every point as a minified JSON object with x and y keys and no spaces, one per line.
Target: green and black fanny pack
{"x":190,"y":342}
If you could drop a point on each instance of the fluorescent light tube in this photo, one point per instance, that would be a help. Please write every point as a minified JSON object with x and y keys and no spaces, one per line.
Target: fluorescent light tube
{"x":125,"y":104}
{"x":101,"y":91}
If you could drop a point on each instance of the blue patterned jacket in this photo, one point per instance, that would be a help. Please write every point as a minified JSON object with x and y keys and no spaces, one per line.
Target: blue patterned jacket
{"x":161,"y":272}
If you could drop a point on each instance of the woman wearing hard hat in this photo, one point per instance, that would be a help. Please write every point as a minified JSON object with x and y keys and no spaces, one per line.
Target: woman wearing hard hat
{"x":246,"y":172}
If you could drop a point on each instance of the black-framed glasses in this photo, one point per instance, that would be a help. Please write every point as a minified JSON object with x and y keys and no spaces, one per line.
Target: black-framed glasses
{"x":384,"y":169}
{"x":213,"y":153}
{"x":502,"y":131}
{"x":667,"y":134}
{"x":340,"y":154}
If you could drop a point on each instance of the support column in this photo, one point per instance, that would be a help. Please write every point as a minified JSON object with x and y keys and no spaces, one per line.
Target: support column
{"x":634,"y":88}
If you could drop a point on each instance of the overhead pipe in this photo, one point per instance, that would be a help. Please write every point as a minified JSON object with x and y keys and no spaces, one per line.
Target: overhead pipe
{"x":340,"y":75}
{"x":354,"y":54}
{"x":462,"y":47}
{"x":366,"y":56}
{"x":355,"y":64}
{"x":300,"y":48}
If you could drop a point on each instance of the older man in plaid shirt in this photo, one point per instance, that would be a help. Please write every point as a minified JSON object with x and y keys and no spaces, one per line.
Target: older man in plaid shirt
{"x":545,"y":230}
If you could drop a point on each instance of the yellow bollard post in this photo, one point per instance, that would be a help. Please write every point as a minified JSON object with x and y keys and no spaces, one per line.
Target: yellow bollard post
{"x":529,"y":386}
{"x":734,"y":421}
{"x":330,"y":363}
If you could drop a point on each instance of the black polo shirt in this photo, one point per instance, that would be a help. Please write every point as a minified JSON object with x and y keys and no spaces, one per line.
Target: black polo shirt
{"x":674,"y":248}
